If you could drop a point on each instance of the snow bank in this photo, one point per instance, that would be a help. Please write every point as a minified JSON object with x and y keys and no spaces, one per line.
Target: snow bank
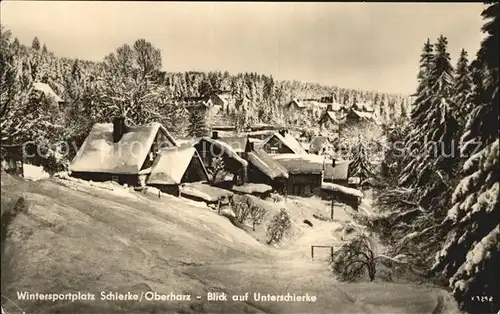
{"x":34,"y":173}
{"x":78,"y":184}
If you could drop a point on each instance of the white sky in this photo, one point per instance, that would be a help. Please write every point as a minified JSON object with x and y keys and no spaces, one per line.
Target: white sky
{"x":368,"y":46}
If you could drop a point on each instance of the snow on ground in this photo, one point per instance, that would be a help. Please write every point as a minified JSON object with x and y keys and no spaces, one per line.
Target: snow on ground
{"x":34,"y":173}
{"x":90,"y":239}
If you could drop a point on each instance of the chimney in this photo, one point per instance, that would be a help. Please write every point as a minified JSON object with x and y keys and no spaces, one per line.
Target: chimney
{"x":329,"y":107}
{"x":215,"y":135}
{"x":283,"y":132}
{"x":119,"y":128}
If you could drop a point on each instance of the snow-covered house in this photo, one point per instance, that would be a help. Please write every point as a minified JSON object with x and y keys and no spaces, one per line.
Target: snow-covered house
{"x":263,"y":169}
{"x":175,"y":166}
{"x":211,"y":147}
{"x":295,"y":105}
{"x":308,"y":172}
{"x":297,"y":109}
{"x":355,"y":116}
{"x":48,"y":92}
{"x":223,"y":99}
{"x":364,"y":107}
{"x":282,"y":142}
{"x":200,"y":104}
{"x":329,"y":122}
{"x":331,"y":117}
{"x":121,"y":153}
{"x":304,"y":176}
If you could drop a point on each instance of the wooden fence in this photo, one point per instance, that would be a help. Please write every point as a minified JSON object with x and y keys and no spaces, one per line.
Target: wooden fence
{"x":320,"y":246}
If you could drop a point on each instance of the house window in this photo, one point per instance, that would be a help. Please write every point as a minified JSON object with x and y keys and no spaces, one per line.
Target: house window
{"x":274,"y":150}
{"x":115,"y":178}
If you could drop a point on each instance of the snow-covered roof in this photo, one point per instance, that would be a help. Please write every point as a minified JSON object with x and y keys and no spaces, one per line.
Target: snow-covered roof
{"x":330,"y":115}
{"x":342,"y":189}
{"x":310,"y":104}
{"x":339,"y":172}
{"x":238,"y":143}
{"x":224,"y":97}
{"x":298,"y":102}
{"x":262,"y":161}
{"x":171,"y":164}
{"x":363,"y":106}
{"x":256,"y":133}
{"x":100,"y":154}
{"x":187,"y":141}
{"x":287,"y":140}
{"x":368,"y":107}
{"x":256,"y":141}
{"x":204,"y":191}
{"x":250,"y":188}
{"x":47,"y":91}
{"x":312,"y":163}
{"x":334,"y":106}
{"x":227,"y":149}
{"x":314,"y":104}
{"x":363,"y":115}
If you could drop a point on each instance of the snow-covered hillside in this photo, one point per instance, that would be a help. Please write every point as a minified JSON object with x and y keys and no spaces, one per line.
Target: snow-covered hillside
{"x":88,"y":239}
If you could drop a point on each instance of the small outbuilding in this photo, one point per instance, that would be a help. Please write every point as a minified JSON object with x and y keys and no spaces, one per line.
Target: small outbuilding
{"x":175,"y":166}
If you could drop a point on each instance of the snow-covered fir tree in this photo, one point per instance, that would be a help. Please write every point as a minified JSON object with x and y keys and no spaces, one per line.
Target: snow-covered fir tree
{"x":433,"y":130}
{"x":360,"y":166}
{"x":197,"y":125}
{"x":35,"y":44}
{"x":471,"y":253}
{"x":462,"y":89}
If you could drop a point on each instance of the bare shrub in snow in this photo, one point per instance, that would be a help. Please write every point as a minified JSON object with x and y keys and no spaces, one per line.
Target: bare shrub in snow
{"x":257,"y":214}
{"x":279,"y":227}
{"x":354,"y":259}
{"x":241,"y":208}
{"x":276,"y":197}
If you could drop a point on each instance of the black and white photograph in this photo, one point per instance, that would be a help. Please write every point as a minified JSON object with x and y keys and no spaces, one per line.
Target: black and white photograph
{"x":249,"y":157}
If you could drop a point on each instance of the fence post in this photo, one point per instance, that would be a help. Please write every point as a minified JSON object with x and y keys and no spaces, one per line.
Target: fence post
{"x":331,"y":209}
{"x":331,"y":251}
{"x":312,"y":252}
